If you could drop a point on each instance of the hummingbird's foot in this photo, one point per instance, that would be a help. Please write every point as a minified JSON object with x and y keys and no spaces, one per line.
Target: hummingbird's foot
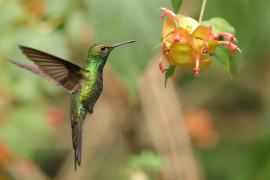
{"x":90,"y":111}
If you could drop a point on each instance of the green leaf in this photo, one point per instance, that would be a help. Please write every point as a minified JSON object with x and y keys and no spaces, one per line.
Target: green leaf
{"x":222,"y":55}
{"x":147,"y":161}
{"x":220,"y":25}
{"x":169,"y":73}
{"x":176,"y":5}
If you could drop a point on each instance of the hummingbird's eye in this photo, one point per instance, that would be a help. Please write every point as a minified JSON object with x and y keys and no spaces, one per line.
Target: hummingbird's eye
{"x":103,"y":48}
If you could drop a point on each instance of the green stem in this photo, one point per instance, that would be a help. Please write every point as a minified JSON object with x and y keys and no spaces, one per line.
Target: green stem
{"x":202,"y":10}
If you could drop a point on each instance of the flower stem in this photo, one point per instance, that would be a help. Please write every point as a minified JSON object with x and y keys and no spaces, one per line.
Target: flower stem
{"x":202,"y":10}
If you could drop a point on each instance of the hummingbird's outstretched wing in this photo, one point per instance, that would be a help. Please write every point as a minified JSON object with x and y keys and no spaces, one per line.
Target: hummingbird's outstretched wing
{"x":29,"y":67}
{"x":64,"y":73}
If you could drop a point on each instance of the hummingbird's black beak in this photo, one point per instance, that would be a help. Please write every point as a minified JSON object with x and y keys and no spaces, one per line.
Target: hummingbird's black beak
{"x":122,"y":43}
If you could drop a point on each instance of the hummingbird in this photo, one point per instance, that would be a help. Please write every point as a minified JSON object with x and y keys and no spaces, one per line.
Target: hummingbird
{"x":85,"y":84}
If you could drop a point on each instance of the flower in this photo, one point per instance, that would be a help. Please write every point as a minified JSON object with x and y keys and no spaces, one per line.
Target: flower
{"x":187,"y":43}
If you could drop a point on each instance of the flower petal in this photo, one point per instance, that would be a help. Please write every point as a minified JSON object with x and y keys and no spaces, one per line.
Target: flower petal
{"x":212,"y":46}
{"x":168,"y":27}
{"x":199,"y":45}
{"x":167,"y":13}
{"x":181,"y":54}
{"x":203,"y":32}
{"x":187,"y":23}
{"x":205,"y":63}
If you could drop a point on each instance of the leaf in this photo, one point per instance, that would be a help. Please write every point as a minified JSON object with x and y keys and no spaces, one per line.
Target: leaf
{"x":223,"y":56}
{"x":220,"y":25}
{"x":169,"y":73}
{"x":176,"y":4}
{"x":147,"y":161}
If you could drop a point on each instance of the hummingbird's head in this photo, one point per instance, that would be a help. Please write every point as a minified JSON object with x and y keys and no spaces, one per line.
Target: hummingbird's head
{"x":101,"y":51}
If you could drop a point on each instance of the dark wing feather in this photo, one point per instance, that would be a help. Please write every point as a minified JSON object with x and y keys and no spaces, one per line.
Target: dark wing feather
{"x":32,"y":68}
{"x":36,"y":70}
{"x":66,"y":74}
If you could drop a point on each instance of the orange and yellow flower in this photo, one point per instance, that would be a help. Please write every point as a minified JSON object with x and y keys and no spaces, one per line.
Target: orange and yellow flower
{"x":187,"y":43}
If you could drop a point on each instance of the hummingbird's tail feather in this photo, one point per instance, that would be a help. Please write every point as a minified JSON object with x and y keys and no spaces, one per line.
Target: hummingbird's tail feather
{"x":77,"y":130}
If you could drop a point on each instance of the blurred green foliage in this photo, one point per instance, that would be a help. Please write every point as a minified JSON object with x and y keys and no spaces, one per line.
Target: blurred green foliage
{"x":146,"y":163}
{"x":67,"y":28}
{"x":176,"y":4}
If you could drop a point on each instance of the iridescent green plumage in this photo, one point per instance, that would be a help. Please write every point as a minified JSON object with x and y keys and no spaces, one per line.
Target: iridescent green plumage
{"x":85,"y":84}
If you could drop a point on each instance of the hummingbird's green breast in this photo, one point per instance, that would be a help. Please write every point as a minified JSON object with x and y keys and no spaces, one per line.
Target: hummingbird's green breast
{"x":87,"y":93}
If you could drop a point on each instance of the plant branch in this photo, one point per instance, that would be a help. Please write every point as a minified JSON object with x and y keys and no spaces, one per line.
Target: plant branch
{"x":202,"y":10}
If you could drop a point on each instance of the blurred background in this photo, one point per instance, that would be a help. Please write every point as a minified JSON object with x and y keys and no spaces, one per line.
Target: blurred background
{"x":209,"y":128}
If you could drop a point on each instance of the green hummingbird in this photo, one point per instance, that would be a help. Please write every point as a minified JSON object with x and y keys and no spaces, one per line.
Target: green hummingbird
{"x":85,"y":84}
